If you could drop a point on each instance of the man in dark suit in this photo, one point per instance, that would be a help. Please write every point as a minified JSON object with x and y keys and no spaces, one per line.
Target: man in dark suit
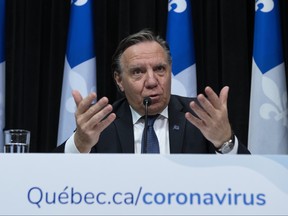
{"x":142,"y":68}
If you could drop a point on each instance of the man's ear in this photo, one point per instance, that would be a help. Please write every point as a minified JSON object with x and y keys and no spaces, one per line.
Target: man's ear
{"x":118,"y":80}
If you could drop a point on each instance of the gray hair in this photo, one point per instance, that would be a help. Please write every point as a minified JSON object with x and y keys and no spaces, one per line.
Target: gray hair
{"x":139,"y":37}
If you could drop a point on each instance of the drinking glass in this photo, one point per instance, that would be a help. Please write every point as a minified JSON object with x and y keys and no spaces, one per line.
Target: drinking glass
{"x":16,"y":141}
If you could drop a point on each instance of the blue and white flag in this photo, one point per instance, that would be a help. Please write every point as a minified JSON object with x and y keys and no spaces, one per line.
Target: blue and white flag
{"x":80,"y":65}
{"x":181,"y":41}
{"x":268,"y":121}
{"x":2,"y":73}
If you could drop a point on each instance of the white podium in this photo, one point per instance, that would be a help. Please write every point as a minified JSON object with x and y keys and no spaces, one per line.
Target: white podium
{"x":128,"y":184}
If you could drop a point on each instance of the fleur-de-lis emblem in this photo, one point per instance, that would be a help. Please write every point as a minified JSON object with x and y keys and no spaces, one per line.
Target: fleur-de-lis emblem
{"x":181,"y":5}
{"x":264,"y":5}
{"x":76,"y":81}
{"x":78,"y":2}
{"x":278,"y":108}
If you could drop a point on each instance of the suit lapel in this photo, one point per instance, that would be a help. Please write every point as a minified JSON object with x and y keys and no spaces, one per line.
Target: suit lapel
{"x":177,"y":122}
{"x":124,"y":126}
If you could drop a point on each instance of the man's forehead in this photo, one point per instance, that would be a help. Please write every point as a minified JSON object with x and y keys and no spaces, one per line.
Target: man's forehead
{"x":144,"y":51}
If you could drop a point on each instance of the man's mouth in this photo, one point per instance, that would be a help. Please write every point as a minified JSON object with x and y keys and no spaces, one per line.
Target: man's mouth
{"x":154,"y":98}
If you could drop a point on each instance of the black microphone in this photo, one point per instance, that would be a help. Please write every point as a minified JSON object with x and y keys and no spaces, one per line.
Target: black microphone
{"x":147,"y":102}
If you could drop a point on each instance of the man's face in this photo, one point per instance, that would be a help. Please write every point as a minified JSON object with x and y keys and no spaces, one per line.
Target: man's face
{"x":146,"y":72}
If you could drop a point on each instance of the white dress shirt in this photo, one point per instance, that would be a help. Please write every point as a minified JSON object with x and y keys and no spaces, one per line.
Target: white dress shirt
{"x":160,"y":126}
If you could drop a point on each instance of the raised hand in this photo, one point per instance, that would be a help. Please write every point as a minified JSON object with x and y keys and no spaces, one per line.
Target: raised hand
{"x":212,"y":116}
{"x":91,"y":120}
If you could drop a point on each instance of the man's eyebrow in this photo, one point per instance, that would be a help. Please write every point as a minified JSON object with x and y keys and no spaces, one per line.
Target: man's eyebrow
{"x":132,"y":67}
{"x":161,"y":64}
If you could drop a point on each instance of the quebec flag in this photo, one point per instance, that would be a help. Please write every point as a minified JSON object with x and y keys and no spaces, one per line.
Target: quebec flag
{"x":181,"y":41}
{"x":80,"y":65}
{"x":2,"y":72}
{"x":268,"y":121}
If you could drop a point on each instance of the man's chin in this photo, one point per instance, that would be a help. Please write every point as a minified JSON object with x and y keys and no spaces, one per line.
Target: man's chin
{"x":155,"y":109}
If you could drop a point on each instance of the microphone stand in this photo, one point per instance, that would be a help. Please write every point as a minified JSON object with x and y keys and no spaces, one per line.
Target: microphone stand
{"x":146,"y":102}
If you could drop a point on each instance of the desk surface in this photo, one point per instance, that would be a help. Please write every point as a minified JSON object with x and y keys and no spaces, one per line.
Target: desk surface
{"x":128,"y":184}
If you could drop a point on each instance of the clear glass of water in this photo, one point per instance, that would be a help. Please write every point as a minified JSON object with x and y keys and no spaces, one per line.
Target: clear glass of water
{"x":16,"y":141}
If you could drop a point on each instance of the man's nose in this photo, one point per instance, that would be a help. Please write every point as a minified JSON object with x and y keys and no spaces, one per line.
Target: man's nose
{"x":151,"y":79}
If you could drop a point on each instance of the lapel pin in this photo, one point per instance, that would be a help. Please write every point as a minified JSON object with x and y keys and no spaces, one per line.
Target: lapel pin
{"x":176,"y":127}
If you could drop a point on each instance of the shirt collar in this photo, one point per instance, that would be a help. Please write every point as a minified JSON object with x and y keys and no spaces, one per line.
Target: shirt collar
{"x":136,"y":116}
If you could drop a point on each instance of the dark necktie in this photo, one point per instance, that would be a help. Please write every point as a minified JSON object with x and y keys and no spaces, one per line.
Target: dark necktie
{"x":152,"y":140}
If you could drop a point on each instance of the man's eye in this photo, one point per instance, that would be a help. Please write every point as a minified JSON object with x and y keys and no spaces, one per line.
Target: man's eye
{"x":160,"y":68}
{"x":136,"y":71}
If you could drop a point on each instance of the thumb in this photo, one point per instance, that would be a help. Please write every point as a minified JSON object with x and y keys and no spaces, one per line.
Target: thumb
{"x":224,"y":95}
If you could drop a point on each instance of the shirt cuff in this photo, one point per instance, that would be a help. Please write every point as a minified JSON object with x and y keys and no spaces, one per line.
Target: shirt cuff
{"x":70,"y":146}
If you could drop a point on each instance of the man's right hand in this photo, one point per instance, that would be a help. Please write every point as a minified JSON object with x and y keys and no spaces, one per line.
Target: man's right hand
{"x":89,"y":120}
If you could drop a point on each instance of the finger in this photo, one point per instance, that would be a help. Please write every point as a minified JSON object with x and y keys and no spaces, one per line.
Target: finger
{"x":94,"y":110}
{"x":85,"y":103}
{"x":99,"y":116}
{"x":224,"y":95}
{"x":213,"y":97}
{"x":206,"y":105}
{"x":194,"y":120}
{"x":200,"y":112}
{"x":77,"y":97}
{"x":106,"y":122}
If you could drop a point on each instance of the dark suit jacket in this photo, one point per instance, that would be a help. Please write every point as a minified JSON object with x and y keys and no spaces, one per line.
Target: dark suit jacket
{"x":184,"y":137}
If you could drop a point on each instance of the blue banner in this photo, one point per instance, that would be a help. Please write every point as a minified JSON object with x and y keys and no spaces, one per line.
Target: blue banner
{"x":80,"y":65}
{"x":268,"y":121}
{"x":267,"y":36}
{"x":181,"y":41}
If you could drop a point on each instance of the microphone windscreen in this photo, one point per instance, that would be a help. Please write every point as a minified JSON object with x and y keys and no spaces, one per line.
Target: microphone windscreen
{"x":147,"y":101}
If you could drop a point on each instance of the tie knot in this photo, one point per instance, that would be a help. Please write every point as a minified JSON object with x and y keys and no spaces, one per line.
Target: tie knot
{"x":151,"y":119}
